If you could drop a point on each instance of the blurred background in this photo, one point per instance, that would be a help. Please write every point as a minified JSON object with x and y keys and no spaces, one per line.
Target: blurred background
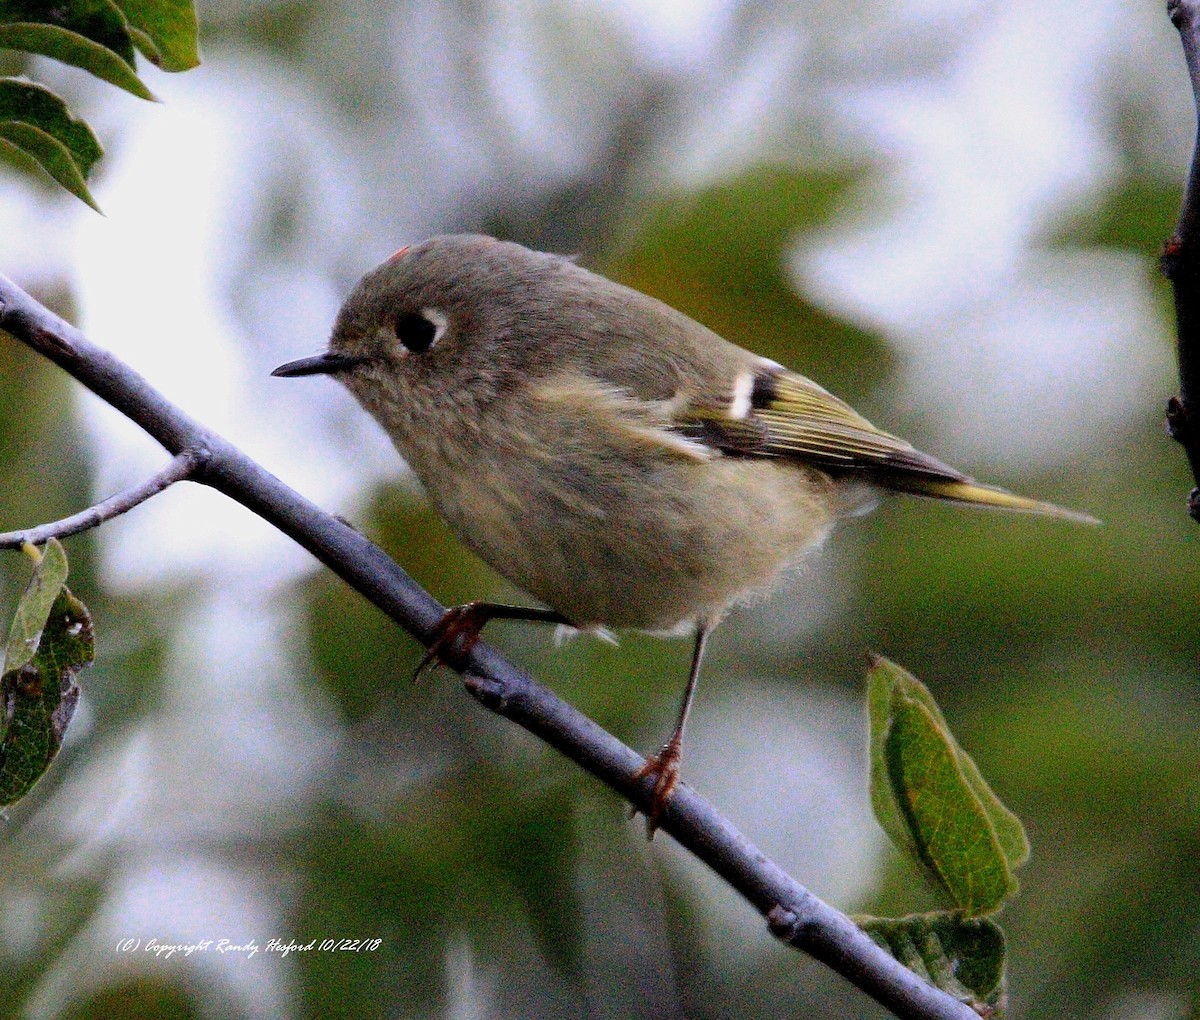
{"x":946,"y":211}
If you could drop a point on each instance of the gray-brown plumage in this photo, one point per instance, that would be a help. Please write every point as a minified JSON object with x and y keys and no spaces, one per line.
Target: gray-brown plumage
{"x":617,"y":460}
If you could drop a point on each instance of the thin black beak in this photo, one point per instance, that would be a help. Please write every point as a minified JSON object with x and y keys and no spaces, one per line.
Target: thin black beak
{"x":322,"y":364}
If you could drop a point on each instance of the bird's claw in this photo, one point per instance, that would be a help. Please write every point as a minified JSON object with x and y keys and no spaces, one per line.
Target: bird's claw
{"x":665,"y":768}
{"x":454,"y":635}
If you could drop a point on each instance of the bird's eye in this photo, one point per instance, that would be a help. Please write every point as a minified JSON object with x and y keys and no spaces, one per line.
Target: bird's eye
{"x":418,"y":332}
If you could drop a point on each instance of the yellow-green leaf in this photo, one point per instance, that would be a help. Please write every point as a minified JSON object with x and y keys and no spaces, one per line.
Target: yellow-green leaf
{"x":75,"y":49}
{"x":50,"y":642}
{"x":98,"y":20}
{"x":954,"y":838}
{"x":965,"y":957}
{"x":930,"y":797}
{"x":49,"y":576}
{"x":165,"y":31}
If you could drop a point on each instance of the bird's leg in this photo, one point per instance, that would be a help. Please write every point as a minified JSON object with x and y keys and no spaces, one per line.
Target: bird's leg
{"x":456,"y":633}
{"x":665,"y":765}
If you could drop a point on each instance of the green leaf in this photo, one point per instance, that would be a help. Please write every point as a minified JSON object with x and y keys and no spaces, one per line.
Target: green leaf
{"x":883,"y":798}
{"x":91,"y":34}
{"x":931,"y":799}
{"x":954,"y":839}
{"x":40,"y":685}
{"x":74,"y":49}
{"x":165,"y":31}
{"x":37,"y":122}
{"x":97,"y":20}
{"x":965,"y":957}
{"x":49,"y":576}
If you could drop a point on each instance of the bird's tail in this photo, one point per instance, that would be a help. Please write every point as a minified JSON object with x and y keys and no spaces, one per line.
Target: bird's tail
{"x":971,"y":493}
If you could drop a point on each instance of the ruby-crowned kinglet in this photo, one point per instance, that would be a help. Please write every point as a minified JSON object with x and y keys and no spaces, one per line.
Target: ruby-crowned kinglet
{"x":614,"y":458}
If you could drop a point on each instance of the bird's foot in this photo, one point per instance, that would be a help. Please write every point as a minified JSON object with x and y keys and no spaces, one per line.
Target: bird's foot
{"x":454,"y":635}
{"x":457,"y":632}
{"x":665,"y":768}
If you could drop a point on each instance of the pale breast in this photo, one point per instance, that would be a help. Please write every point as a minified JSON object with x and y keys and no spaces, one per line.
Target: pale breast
{"x":648,"y":544}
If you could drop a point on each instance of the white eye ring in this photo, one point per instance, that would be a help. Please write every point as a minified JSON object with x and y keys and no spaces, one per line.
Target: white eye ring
{"x":440,"y":322}
{"x":417,"y":332}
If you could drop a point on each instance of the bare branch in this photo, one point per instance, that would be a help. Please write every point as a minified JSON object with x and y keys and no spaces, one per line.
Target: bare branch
{"x":794,"y":914}
{"x":182,"y":465}
{"x":1181,"y":265}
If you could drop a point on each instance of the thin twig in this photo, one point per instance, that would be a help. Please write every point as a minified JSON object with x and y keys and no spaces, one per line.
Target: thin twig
{"x":1181,"y":265}
{"x":794,"y":914}
{"x":181,"y":466}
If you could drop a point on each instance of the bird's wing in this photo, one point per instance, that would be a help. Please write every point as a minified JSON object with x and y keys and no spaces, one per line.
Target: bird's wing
{"x":767,"y":411}
{"x":771,"y":412}
{"x":609,"y":414}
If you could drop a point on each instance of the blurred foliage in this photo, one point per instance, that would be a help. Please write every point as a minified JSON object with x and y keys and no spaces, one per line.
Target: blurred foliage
{"x":144,"y":999}
{"x":1136,"y":214}
{"x":460,"y":854}
{"x":36,"y":430}
{"x":76,"y":903}
{"x":719,"y":255}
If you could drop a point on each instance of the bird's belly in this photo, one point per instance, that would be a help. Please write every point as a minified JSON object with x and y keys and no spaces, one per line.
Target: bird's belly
{"x":649,"y":548}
